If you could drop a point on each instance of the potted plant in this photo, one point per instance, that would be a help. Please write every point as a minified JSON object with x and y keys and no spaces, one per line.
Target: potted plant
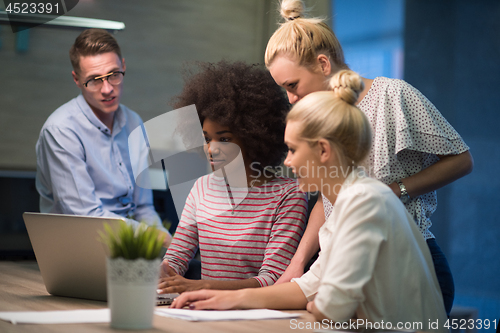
{"x":133,"y":268}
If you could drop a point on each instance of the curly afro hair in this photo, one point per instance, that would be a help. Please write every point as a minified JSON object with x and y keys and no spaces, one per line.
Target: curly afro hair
{"x":244,"y":98}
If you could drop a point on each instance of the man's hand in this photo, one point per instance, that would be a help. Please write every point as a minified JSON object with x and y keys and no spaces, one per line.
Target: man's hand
{"x":171,"y":282}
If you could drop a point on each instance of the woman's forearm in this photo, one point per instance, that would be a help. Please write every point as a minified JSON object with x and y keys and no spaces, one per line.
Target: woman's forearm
{"x":308,"y":246}
{"x":309,"y":243}
{"x":448,"y":169}
{"x":280,"y":297}
{"x":283,"y":296}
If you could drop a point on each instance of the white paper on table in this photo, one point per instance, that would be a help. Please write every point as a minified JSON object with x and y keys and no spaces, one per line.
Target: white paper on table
{"x":57,"y":317}
{"x":214,"y":315}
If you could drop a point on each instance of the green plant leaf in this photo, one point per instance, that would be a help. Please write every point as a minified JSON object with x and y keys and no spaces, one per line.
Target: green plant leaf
{"x":132,"y":243}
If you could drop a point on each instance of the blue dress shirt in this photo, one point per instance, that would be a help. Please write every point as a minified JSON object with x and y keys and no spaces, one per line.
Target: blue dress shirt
{"x":83,"y":169}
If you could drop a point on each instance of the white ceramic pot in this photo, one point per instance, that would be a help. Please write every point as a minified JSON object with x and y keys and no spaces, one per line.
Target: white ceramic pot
{"x":131,"y":289}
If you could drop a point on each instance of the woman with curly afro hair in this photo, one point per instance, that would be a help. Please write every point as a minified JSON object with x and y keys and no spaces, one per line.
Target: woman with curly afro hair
{"x":246,"y":234}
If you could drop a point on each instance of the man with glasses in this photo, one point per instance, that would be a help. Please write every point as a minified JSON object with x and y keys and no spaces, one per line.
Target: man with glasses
{"x":83,"y":162}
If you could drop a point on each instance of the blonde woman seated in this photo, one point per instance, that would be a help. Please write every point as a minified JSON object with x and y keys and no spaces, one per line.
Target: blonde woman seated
{"x":374,"y":263}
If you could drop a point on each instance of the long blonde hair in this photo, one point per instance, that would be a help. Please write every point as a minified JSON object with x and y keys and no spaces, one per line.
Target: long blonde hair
{"x":303,"y":39}
{"x":332,"y":115}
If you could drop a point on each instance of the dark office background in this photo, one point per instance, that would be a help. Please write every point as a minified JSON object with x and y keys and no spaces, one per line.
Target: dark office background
{"x":448,"y":49}
{"x":452,"y":52}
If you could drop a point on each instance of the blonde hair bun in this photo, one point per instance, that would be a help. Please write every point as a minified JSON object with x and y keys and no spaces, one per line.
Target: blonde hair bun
{"x":292,"y":9}
{"x":347,"y":85}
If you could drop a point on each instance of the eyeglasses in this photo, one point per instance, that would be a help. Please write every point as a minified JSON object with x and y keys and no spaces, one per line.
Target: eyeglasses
{"x":114,"y":78}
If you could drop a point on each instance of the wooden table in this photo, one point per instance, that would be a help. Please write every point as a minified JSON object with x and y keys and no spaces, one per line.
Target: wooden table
{"x":22,"y":289}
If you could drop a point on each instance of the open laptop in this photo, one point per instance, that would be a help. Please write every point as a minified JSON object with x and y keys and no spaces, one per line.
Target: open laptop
{"x":71,"y":259}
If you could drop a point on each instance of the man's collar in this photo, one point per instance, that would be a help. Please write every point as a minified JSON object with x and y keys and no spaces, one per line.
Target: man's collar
{"x":118,"y":123}
{"x":120,"y":120}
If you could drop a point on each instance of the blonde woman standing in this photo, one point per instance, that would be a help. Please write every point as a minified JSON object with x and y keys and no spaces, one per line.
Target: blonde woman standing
{"x":369,"y":242}
{"x":415,"y":151}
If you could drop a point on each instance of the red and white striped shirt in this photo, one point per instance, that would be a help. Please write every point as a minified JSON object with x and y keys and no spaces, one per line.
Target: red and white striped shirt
{"x":256,"y":237}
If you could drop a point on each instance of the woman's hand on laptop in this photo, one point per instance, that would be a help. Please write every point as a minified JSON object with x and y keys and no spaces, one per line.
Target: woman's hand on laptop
{"x":166,"y":270}
{"x":171,"y":282}
{"x":167,"y":238}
